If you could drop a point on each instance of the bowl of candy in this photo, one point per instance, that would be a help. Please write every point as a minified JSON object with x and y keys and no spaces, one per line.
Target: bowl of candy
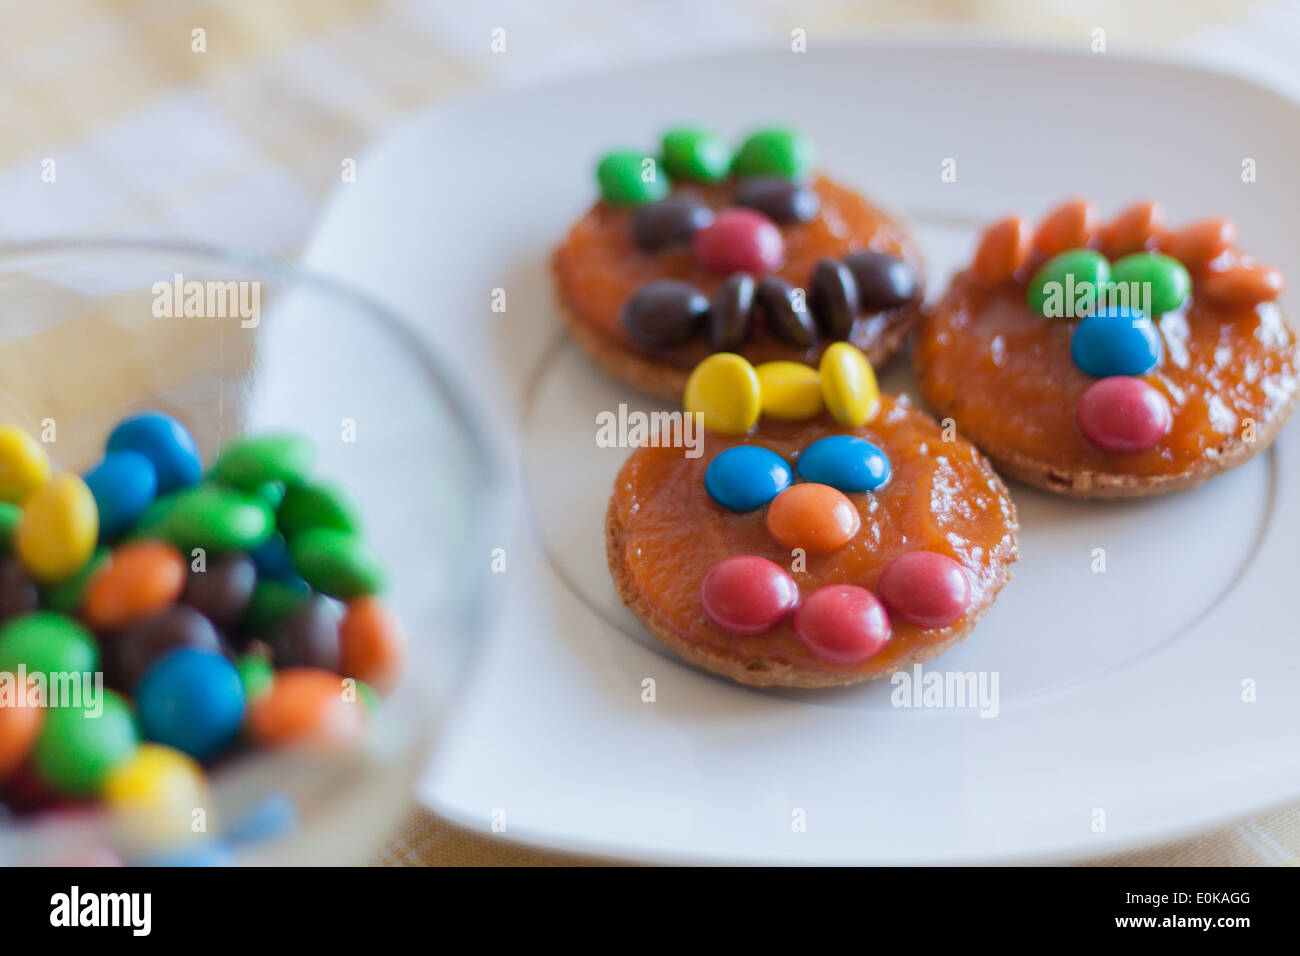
{"x":239,"y":511}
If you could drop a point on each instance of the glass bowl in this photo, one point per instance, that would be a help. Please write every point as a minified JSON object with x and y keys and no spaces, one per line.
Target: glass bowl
{"x":230,"y":344}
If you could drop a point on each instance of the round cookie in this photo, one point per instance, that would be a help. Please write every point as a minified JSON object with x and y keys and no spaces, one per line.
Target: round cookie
{"x":1039,"y":360}
{"x":833,"y":584}
{"x":824,"y":263}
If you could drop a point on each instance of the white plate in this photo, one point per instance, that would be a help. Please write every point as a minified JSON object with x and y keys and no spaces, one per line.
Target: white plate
{"x":1121,"y":718}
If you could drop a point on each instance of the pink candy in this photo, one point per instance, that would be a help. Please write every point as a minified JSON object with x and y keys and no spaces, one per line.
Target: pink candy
{"x":1123,"y":414}
{"x":739,"y":240}
{"x":842,"y":623}
{"x":925,"y":588}
{"x":748,"y":594}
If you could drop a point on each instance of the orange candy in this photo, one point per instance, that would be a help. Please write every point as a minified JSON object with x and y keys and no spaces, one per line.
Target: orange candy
{"x":1069,"y":226}
{"x":18,"y":729}
{"x":373,"y":643}
{"x":305,"y":704}
{"x":1199,"y":244}
{"x":1003,"y":250}
{"x":1132,"y":229}
{"x":817,"y":518}
{"x":141,"y":578}
{"x":1244,"y":284}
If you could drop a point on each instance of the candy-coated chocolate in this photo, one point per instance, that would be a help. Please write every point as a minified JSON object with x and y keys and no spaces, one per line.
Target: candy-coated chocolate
{"x":783,"y":308}
{"x":11,"y":516}
{"x":842,"y":623}
{"x":272,"y":559}
{"x":817,"y":518}
{"x":154,"y":795}
{"x":124,"y":484}
{"x":337,"y":563}
{"x":272,"y":816}
{"x":778,"y":198}
{"x":19,"y":727}
{"x":142,"y":578}
{"x":59,"y":529}
{"x":165,"y":442}
{"x":884,"y":281}
{"x":697,"y":154}
{"x":192,"y":700}
{"x":217,"y":519}
{"x":255,"y":673}
{"x":1166,"y":277}
{"x":775,"y":152}
{"x":846,"y":462}
{"x":76,"y":751}
{"x":66,"y":596}
{"x":833,"y":295}
{"x":1003,"y":250}
{"x":1243,"y":284}
{"x":731,"y":313}
{"x":746,"y":477}
{"x":1067,"y":285}
{"x":724,"y":389}
{"x":130,"y":653}
{"x":305,"y":704}
{"x":1124,"y":414}
{"x":18,"y":593}
{"x":273,"y":600}
{"x":739,"y":240}
{"x":1116,"y":341}
{"x":664,"y":313}
{"x":23,"y":465}
{"x":925,"y":588}
{"x":849,"y":386}
{"x":308,"y":636}
{"x":373,"y":643}
{"x":789,"y":390}
{"x":630,"y":178}
{"x":669,"y":222}
{"x":47,"y":643}
{"x":1070,"y":225}
{"x":1200,"y":243}
{"x":249,"y":464}
{"x":222,"y":590}
{"x":1133,"y":229}
{"x":748,"y":594}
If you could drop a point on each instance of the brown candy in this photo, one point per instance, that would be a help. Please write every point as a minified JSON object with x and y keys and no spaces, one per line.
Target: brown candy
{"x":731,"y":312}
{"x":833,"y":295}
{"x":18,"y":594}
{"x":785,"y":312}
{"x":223,"y":590}
{"x":309,"y":637}
{"x":131,"y":651}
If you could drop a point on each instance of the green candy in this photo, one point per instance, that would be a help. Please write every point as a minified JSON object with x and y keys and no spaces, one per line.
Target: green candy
{"x":65,"y":597}
{"x":319,"y":505}
{"x":255,"y":673}
{"x":368,"y":697}
{"x":272,"y":493}
{"x":337,"y":563}
{"x":775,"y":152}
{"x":250,"y":463}
{"x":1168,"y":279}
{"x":76,"y":750}
{"x":150,"y":524}
{"x":10,"y":515}
{"x":271,"y":603}
{"x":217,"y":520}
{"x":1066,"y":286}
{"x":691,"y":153}
{"x":47,"y":643}
{"x":629,"y":178}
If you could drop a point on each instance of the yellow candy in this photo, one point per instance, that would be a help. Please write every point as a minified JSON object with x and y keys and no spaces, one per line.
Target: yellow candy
{"x":849,"y":385}
{"x":724,"y":387}
{"x":154,"y":796}
{"x":789,"y":390}
{"x":58,"y":529}
{"x":23,"y":465}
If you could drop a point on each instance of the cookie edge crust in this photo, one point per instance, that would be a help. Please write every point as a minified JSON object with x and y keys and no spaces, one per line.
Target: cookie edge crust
{"x":758,"y":671}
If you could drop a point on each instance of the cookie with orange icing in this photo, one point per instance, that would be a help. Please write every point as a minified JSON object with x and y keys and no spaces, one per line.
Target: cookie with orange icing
{"x":697,"y":249}
{"x":826,"y":535}
{"x":1111,"y":359}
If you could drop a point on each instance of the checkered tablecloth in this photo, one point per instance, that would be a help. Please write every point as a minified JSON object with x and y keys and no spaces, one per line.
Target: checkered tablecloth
{"x":227,"y":121}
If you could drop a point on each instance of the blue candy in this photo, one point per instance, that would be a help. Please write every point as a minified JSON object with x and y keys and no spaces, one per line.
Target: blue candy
{"x":1116,"y":341}
{"x":273,"y":560}
{"x":273,"y":816}
{"x":166,"y":443}
{"x":192,"y":700}
{"x":844,"y":462}
{"x":123,"y":484}
{"x":746,"y":477}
